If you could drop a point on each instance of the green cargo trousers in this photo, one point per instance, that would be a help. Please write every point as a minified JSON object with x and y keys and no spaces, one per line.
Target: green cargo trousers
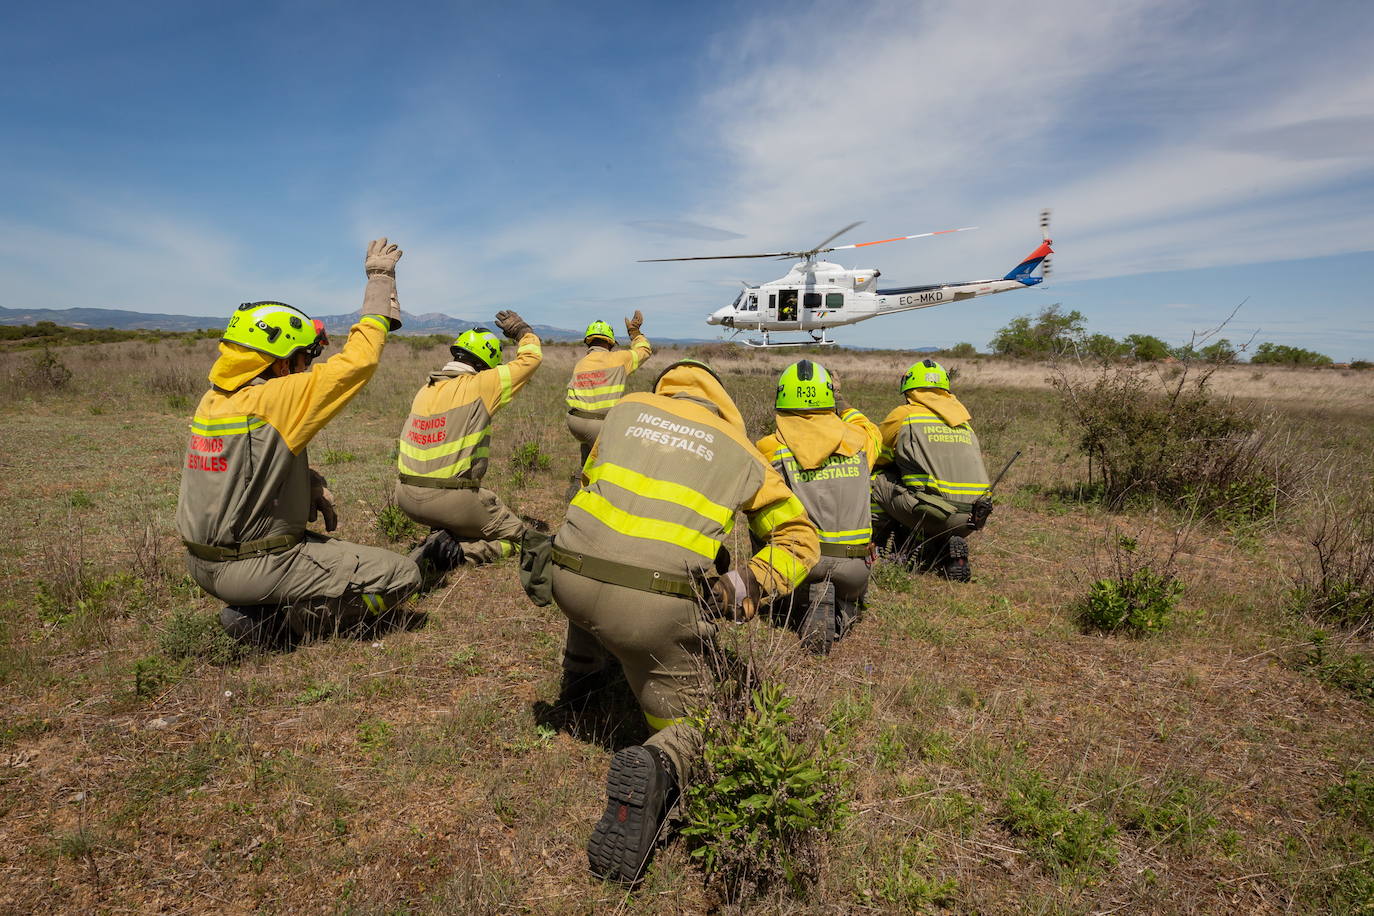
{"x":477,"y":519}
{"x":930,"y":519}
{"x":323,"y":585}
{"x":849,"y":575}
{"x":584,"y":430}
{"x":661,"y":642}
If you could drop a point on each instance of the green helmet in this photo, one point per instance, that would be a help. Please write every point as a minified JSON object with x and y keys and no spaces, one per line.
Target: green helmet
{"x":599,"y":329}
{"x":480,"y":344}
{"x":805,"y":386}
{"x":275,"y":328}
{"x":926,"y":374}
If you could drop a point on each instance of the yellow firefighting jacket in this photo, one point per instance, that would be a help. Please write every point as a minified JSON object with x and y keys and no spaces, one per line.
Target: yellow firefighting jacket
{"x":448,"y":432}
{"x":933,"y":447}
{"x":246,"y":472}
{"x":826,"y":461}
{"x":663,"y":483}
{"x":598,"y":379}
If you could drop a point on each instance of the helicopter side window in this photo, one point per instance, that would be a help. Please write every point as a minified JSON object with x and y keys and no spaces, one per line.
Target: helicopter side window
{"x":752,"y":304}
{"x":834,"y":300}
{"x":811,"y":300}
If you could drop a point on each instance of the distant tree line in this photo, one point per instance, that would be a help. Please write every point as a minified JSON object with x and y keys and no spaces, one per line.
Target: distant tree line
{"x":1057,"y":333}
{"x":49,"y":333}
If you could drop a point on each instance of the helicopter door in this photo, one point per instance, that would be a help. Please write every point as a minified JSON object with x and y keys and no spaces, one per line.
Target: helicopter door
{"x":787,"y":305}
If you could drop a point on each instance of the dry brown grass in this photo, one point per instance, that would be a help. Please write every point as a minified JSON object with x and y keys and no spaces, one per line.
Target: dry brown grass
{"x":423,"y":773}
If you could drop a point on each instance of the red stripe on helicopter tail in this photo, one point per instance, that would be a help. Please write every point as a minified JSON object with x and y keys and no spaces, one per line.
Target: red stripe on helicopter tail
{"x":880,"y":241}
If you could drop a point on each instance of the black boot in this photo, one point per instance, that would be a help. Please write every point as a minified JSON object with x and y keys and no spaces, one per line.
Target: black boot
{"x":258,"y":626}
{"x":640,"y":790}
{"x":955,"y":560}
{"x":817,"y":629}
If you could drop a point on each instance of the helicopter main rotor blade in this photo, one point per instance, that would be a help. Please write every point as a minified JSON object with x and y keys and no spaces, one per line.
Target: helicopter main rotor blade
{"x":723,"y":257}
{"x":830,"y":238}
{"x":900,"y":238}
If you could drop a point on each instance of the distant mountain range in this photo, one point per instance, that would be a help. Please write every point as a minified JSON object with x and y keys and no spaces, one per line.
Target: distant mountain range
{"x":429,"y":323}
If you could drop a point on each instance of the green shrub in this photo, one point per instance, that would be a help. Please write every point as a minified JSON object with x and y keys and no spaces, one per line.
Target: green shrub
{"x":154,"y":674}
{"x":195,"y":634}
{"x":528,"y":457}
{"x":1284,"y":355}
{"x":1052,"y":333}
{"x":962,"y":350}
{"x":1149,"y":438}
{"x":1353,"y":798}
{"x":1056,"y":833}
{"x":764,"y":799}
{"x":1177,"y":812}
{"x":1137,"y":603}
{"x":393,"y":524}
{"x":44,"y":372}
{"x":1351,"y":671}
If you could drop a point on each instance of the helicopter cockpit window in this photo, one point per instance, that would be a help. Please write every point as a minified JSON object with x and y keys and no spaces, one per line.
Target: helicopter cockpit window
{"x":811,"y":300}
{"x":834,"y":300}
{"x":752,"y":303}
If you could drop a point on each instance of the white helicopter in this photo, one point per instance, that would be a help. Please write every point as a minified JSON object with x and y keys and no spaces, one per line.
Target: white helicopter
{"x":818,"y":295}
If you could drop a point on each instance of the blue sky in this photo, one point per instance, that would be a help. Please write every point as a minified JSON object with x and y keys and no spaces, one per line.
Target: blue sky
{"x":183,"y":157}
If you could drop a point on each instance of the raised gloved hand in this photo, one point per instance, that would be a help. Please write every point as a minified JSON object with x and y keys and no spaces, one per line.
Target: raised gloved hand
{"x":511,"y":324}
{"x":381,"y":258}
{"x":322,"y":501}
{"x":841,"y":405}
{"x":737,"y":594}
{"x":380,"y":296}
{"x":634,"y":323}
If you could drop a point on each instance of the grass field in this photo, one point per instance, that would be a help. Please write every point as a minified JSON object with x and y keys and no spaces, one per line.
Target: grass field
{"x":1002,"y":760}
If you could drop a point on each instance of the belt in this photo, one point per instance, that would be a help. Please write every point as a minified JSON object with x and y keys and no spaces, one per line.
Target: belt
{"x":586,"y":414}
{"x":441,"y":483}
{"x":258,"y":548}
{"x":637,"y":577}
{"x":843,"y":550}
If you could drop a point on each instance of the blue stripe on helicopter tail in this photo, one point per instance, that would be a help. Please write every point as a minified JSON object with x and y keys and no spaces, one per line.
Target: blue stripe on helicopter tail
{"x":1023,"y":271}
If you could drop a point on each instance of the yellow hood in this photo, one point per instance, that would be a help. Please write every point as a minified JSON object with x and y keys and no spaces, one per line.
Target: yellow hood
{"x":687,"y":380}
{"x":237,"y":366}
{"x":941,"y":403}
{"x":815,"y":435}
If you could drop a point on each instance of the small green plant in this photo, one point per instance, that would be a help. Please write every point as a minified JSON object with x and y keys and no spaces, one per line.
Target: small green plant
{"x":1352,"y":797}
{"x":1177,"y":813}
{"x":891,"y":577}
{"x":80,"y":500}
{"x":189,"y":633}
{"x":153,"y":674}
{"x":337,"y":456}
{"x":898,"y":877}
{"x":1351,"y":671}
{"x":1055,"y":832}
{"x":393,"y":524}
{"x":528,"y":457}
{"x":316,"y":692}
{"x":764,"y":798}
{"x":374,"y":735}
{"x":466,"y":661}
{"x":1136,"y":600}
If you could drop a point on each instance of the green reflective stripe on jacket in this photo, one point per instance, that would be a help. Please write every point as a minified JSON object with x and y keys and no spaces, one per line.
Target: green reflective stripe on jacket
{"x":226,"y":426}
{"x":507,"y":386}
{"x":449,"y":470}
{"x":638,"y":526}
{"x":663,"y":489}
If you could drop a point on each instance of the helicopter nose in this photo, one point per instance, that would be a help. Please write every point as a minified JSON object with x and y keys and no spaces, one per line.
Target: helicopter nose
{"x":717,"y":317}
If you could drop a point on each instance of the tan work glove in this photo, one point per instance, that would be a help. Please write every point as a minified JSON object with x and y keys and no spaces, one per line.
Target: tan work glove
{"x":737,"y":595}
{"x":322,"y":501}
{"x":841,"y":405}
{"x":380,"y":296}
{"x":511,"y":324}
{"x":634,"y":323}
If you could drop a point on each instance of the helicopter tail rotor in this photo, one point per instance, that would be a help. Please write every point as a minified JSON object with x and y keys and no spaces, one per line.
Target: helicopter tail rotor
{"x":1045,"y":234}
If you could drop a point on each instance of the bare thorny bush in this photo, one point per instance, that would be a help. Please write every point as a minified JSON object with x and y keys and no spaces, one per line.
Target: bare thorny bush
{"x":1334,"y":582}
{"x":1160,"y":432}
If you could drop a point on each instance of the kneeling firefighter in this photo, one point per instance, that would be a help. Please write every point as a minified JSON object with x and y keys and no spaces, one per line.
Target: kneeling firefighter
{"x":931,"y":493}
{"x":247,"y":488}
{"x":598,"y":378}
{"x":825,"y":450}
{"x":635,"y":573}
{"x":442,"y":454}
